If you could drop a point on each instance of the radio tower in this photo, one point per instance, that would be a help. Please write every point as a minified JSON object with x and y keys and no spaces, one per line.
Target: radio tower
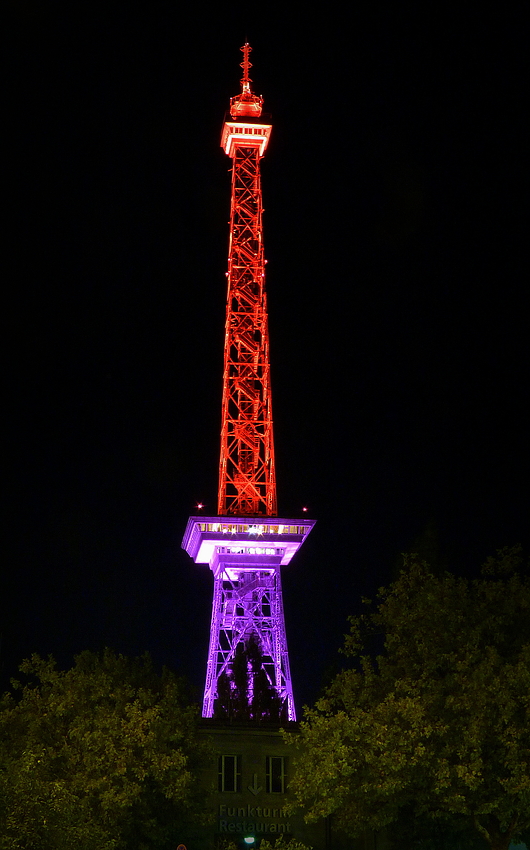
{"x":246,"y":544}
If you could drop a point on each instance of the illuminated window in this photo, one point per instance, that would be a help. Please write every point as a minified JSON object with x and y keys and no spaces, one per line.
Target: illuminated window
{"x":275,"y":774}
{"x":229,"y":773}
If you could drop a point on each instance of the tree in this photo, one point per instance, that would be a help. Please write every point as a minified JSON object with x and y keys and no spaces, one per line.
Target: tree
{"x":438,"y":723}
{"x":102,"y":755}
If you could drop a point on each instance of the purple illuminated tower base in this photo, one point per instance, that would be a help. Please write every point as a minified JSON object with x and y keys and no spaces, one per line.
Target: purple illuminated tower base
{"x":245,"y":556}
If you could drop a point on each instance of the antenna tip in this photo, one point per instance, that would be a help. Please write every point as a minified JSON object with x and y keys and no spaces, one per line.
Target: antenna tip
{"x":247,"y":103}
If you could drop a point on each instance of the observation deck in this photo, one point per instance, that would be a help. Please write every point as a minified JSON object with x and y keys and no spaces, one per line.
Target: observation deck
{"x":238,"y":544}
{"x":246,"y":131}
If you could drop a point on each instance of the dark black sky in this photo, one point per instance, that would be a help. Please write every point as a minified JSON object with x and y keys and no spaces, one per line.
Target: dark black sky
{"x":393,"y":188}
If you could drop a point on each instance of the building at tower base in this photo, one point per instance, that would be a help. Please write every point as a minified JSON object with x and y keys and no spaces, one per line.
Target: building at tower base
{"x":246,"y":784}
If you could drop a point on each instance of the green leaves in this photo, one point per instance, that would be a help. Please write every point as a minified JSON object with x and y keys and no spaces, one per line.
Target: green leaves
{"x":440,"y":720}
{"x":95,"y":754}
{"x":280,"y":844}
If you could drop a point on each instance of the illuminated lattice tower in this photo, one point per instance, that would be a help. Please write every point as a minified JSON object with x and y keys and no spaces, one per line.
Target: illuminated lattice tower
{"x":246,"y":544}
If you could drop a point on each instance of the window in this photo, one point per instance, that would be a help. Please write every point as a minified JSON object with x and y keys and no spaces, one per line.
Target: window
{"x":275,"y":774}
{"x":230,"y":773}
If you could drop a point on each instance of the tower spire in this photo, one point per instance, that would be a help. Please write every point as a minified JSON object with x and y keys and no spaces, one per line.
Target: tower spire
{"x":246,"y":544}
{"x":246,"y":103}
{"x":246,"y":64}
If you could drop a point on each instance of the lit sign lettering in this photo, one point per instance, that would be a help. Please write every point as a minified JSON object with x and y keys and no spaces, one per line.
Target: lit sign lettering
{"x":262,"y":819}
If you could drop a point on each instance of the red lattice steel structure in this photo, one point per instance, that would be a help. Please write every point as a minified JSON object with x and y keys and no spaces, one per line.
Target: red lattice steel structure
{"x":247,"y":544}
{"x":247,"y":483}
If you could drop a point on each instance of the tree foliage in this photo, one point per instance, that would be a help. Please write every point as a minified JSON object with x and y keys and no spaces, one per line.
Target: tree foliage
{"x":280,"y":844}
{"x":277,"y":844}
{"x":102,"y":755}
{"x":438,"y":722}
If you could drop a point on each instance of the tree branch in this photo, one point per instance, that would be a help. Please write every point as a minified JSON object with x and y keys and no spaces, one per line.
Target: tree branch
{"x":481,"y":829}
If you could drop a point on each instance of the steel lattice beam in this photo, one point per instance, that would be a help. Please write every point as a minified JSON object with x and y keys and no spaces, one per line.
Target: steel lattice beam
{"x":247,"y":483}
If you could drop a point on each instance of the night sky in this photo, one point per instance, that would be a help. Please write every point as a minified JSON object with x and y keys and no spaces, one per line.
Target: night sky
{"x":393,"y":189}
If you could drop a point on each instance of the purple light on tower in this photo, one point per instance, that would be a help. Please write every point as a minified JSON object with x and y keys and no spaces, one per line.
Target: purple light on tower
{"x":246,"y":545}
{"x":245,"y":555}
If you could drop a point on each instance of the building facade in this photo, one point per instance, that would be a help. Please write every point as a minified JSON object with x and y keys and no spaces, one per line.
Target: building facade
{"x":246,"y":792}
